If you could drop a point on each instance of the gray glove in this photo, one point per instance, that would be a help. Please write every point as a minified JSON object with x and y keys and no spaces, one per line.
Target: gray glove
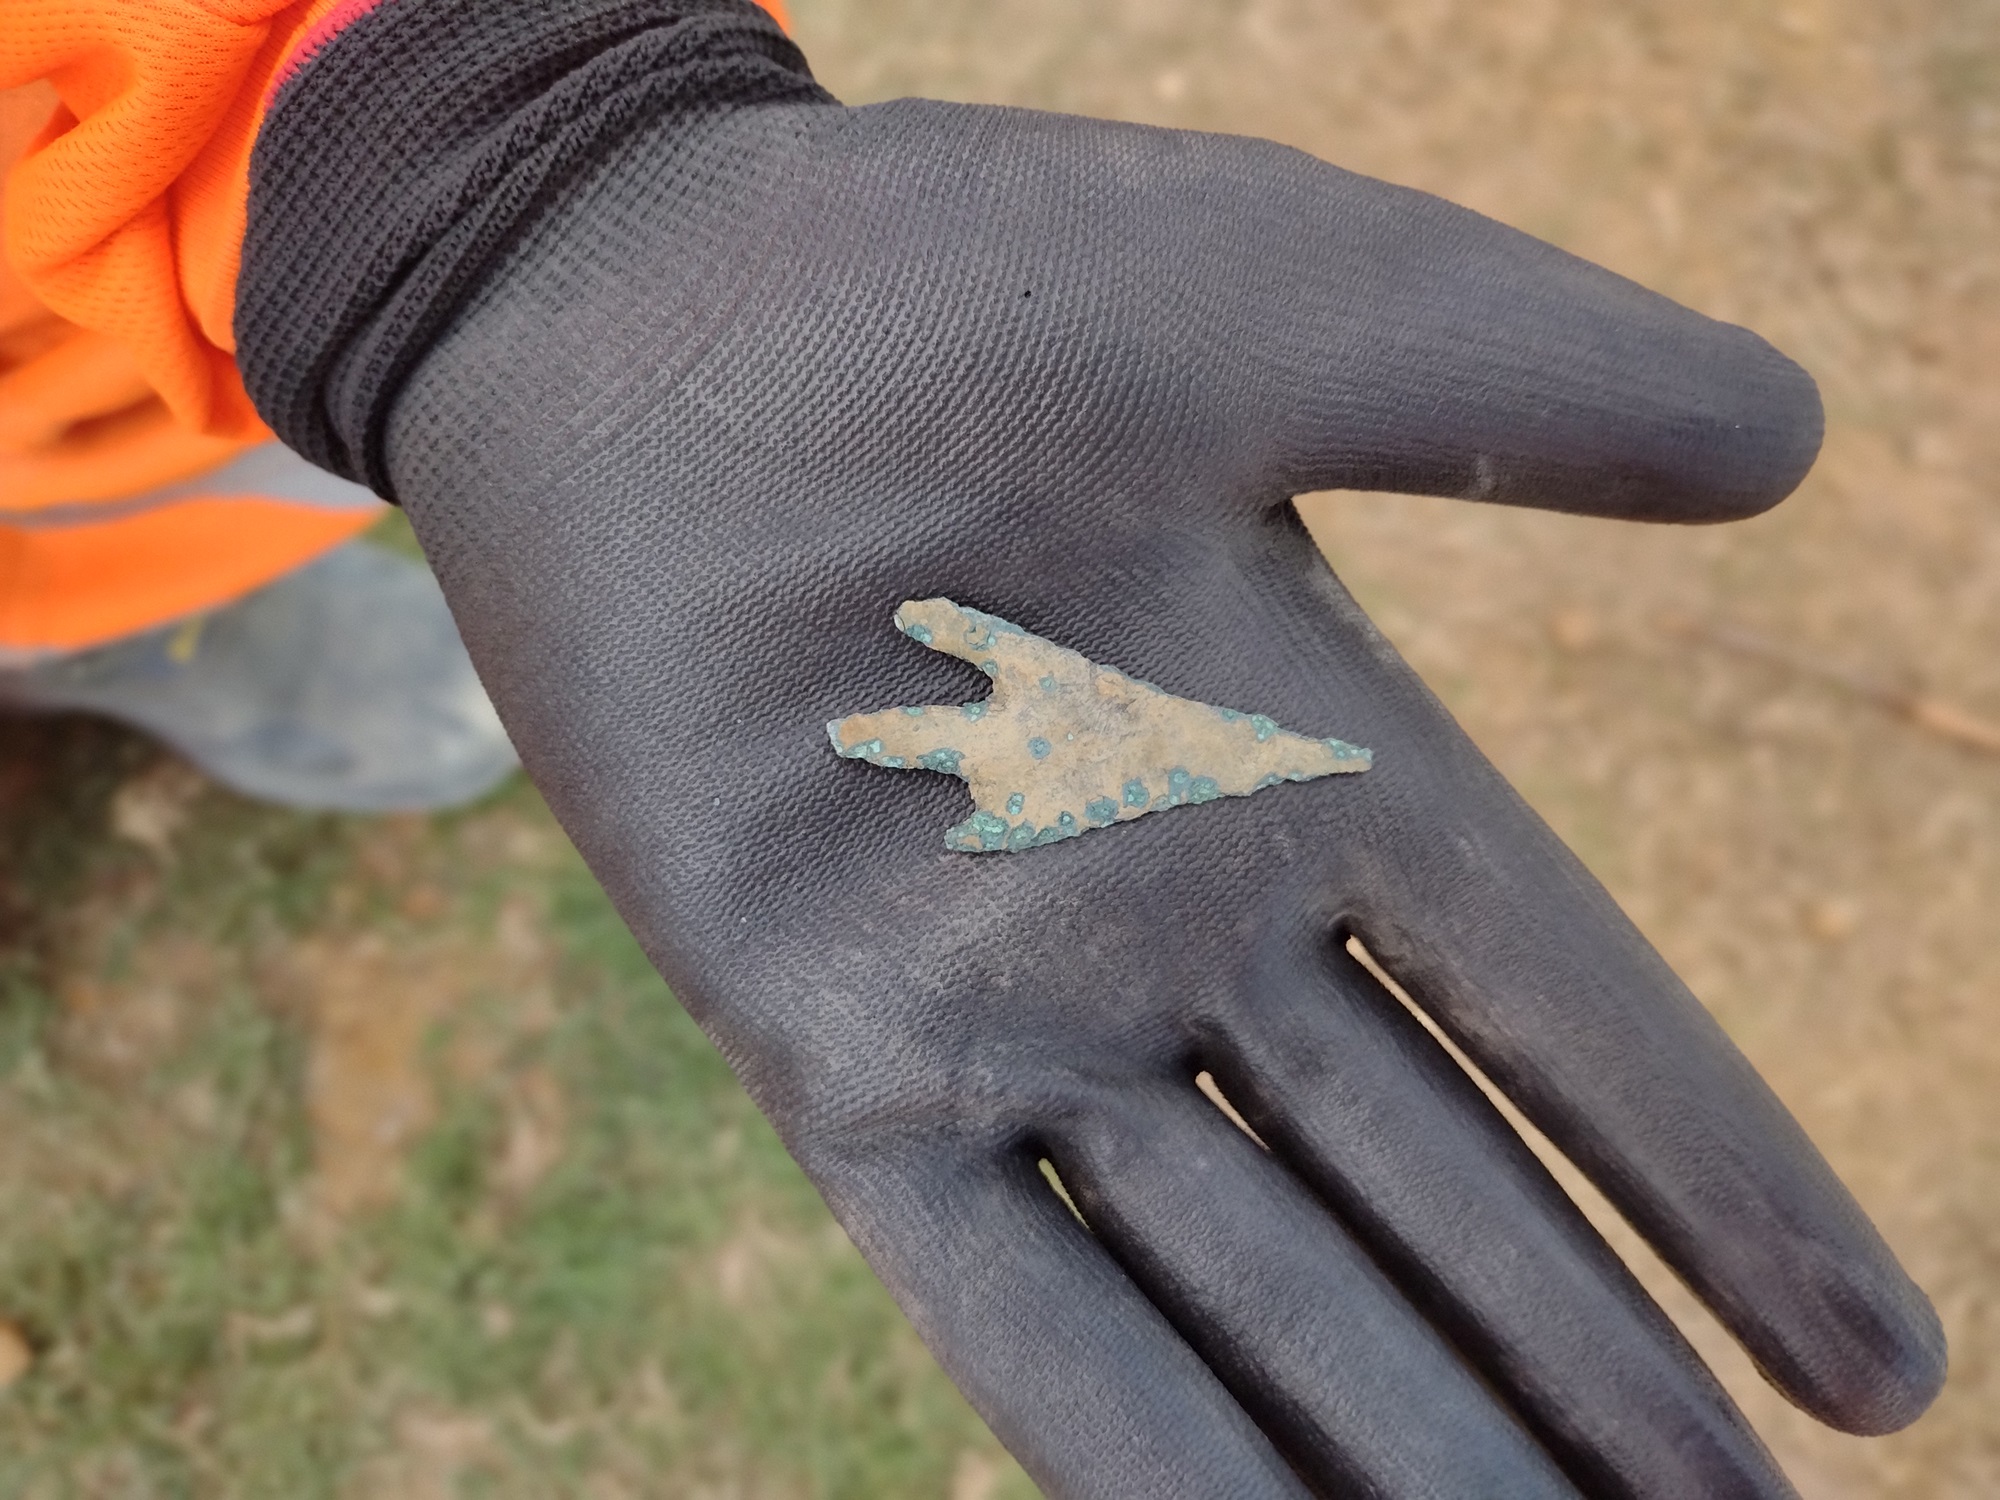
{"x":724,"y":389}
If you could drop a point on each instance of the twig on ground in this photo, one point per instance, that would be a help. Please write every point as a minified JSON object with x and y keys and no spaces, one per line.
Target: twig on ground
{"x":1945,"y":720}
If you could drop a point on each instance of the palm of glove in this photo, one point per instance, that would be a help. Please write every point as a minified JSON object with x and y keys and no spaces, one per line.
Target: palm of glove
{"x":768,"y":375}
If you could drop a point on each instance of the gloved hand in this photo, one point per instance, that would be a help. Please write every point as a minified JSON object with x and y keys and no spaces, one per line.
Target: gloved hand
{"x":726,"y":387}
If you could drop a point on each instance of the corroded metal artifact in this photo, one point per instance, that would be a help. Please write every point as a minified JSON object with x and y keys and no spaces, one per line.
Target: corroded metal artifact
{"x":1064,"y":744}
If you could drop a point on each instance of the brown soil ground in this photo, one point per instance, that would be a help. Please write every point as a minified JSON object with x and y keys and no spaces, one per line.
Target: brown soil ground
{"x":1824,"y":872}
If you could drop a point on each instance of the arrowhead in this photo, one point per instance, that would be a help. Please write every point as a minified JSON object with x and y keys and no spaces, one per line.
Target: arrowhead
{"x":1064,"y":745}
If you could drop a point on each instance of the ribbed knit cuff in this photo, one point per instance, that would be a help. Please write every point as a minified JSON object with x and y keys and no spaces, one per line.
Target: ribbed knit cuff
{"x":413,"y":148}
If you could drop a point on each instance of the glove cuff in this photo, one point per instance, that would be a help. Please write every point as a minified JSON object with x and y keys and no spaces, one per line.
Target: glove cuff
{"x":413,"y":148}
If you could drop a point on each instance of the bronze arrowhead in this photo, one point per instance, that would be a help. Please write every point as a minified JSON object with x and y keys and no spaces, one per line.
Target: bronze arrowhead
{"x":1064,"y":744}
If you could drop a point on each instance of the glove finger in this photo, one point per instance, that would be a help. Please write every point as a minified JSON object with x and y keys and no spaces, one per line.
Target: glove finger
{"x":1525,"y":961}
{"x":1346,"y":1376}
{"x":1427,"y":349}
{"x":1142,"y":305}
{"x":1075,"y":1372}
{"x":1352,"y":1093}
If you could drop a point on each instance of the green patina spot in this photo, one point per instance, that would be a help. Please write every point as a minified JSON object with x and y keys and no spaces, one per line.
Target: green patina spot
{"x":1061,"y":732}
{"x":866,"y":750}
{"x":983,"y":830}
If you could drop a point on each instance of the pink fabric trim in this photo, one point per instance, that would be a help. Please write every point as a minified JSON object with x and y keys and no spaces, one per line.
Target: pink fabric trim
{"x":315,"y":37}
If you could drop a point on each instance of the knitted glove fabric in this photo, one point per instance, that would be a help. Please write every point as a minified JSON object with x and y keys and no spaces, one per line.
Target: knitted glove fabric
{"x":688,"y":375}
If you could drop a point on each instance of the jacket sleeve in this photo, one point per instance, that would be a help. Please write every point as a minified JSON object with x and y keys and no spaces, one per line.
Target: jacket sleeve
{"x":124,"y":214}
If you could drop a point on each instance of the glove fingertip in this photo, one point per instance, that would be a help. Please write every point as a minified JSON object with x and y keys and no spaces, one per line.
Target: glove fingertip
{"x":1889,"y":1390}
{"x":1757,"y":440}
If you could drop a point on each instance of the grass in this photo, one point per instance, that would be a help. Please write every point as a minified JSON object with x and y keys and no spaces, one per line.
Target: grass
{"x":646,"y":1298}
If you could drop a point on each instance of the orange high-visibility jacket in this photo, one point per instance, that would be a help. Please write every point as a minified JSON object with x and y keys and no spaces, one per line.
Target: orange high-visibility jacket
{"x":137,"y":484}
